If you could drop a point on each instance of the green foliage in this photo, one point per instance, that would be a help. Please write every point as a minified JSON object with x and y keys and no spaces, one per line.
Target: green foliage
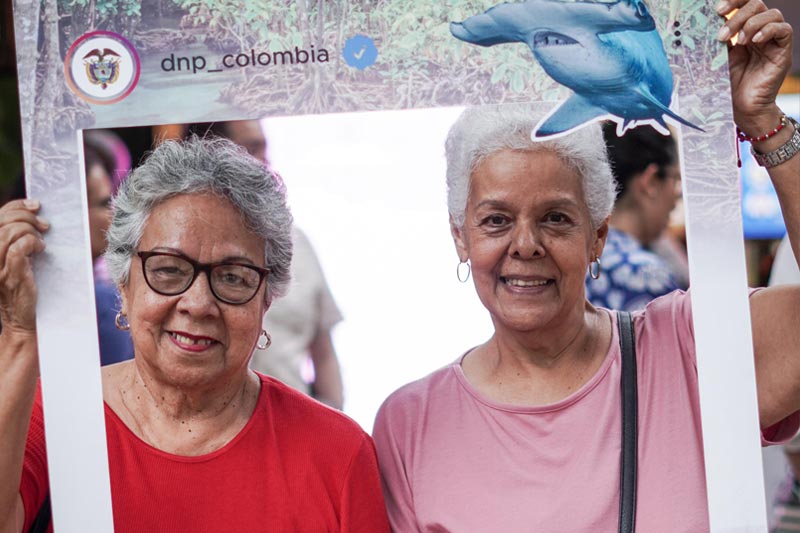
{"x":104,"y":10}
{"x":720,"y":59}
{"x":715,"y":115}
{"x":267,"y":24}
{"x":412,"y":36}
{"x":81,"y":16}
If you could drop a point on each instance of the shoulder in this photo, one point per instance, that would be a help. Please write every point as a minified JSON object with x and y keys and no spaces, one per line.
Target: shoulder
{"x":302,"y":245}
{"x":308,"y":434}
{"x":666,"y":310}
{"x":674,"y":307}
{"x":298,"y":415}
{"x":435,"y":384}
{"x":306,"y":267}
{"x":665,"y":325}
{"x":402,"y":409}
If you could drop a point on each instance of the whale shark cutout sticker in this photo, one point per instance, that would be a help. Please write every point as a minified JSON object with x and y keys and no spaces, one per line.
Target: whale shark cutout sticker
{"x":609,"y":54}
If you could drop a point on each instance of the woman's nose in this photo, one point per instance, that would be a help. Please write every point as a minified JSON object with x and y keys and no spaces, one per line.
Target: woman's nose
{"x":198,"y":298}
{"x":526,"y":242}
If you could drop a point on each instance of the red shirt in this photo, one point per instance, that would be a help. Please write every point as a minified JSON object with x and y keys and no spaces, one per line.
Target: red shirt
{"x":296,"y":466}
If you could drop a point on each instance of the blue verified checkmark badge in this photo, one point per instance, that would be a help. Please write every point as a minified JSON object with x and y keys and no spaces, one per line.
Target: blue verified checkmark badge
{"x":360,"y":52}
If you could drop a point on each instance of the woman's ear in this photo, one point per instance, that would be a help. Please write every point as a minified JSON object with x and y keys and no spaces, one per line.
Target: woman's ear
{"x":123,"y":299}
{"x":601,"y":233}
{"x":649,"y":182}
{"x":462,"y":247}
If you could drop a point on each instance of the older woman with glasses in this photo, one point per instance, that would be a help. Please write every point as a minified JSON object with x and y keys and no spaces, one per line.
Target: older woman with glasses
{"x":199,"y":247}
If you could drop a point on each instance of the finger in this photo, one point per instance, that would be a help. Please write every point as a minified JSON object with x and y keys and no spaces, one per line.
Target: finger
{"x":738,"y":19}
{"x":21,"y":250}
{"x":19,"y":210}
{"x":28,"y":204}
{"x":725,"y":7}
{"x":753,"y":25}
{"x":780,"y":32}
{"x":23,"y":216}
{"x":12,"y":233}
{"x":17,"y":270}
{"x":17,"y":283}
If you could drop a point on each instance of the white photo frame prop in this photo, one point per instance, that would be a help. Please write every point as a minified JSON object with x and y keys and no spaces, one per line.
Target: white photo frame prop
{"x":299,"y":58}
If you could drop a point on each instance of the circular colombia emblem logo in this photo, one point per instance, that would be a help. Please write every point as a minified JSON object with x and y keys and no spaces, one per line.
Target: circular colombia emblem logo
{"x":102,"y":67}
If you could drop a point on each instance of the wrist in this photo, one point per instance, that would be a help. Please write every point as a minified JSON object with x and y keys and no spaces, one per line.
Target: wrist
{"x":12,"y":333}
{"x":771,"y":157}
{"x":766,"y":132}
{"x":755,"y":123}
{"x":19,"y":352}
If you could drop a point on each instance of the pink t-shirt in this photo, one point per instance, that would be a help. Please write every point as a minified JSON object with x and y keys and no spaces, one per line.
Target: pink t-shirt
{"x":454,"y":460}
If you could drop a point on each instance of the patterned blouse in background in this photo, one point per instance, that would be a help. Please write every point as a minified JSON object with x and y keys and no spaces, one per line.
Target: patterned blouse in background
{"x":631,"y":275}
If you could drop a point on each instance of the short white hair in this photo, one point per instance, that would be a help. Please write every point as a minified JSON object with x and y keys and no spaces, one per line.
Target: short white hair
{"x":484,"y":130}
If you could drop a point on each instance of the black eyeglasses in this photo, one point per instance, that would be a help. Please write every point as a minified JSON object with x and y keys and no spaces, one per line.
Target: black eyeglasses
{"x":171,"y":274}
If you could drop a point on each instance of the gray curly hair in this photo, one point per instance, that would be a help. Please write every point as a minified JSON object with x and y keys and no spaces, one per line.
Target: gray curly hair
{"x":200,"y":165}
{"x":482,"y":131}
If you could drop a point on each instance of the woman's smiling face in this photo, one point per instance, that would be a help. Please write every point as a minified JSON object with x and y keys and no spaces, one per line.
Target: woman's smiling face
{"x":194,"y":339}
{"x":529,"y":238}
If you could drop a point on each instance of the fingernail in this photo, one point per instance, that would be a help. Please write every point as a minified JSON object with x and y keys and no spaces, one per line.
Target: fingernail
{"x":31,"y":204}
{"x":758,"y":37}
{"x":724,"y":34}
{"x":722,"y":7}
{"x":42,"y":222}
{"x":741,"y":37}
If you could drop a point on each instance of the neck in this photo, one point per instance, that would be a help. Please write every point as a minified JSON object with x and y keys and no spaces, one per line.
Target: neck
{"x":186,"y":420}
{"x":544,"y":366}
{"x":545,"y":350}
{"x":630,"y":221}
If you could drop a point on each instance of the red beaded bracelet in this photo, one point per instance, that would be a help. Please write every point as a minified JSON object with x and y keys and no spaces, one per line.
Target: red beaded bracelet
{"x":742,"y":136}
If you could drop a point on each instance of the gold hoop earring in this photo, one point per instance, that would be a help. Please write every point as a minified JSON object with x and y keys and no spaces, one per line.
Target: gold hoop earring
{"x":594,"y":273}
{"x":267,"y":343}
{"x":121,"y":321}
{"x":459,"y":270}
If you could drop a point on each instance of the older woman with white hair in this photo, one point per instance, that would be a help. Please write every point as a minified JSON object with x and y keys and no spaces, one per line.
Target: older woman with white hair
{"x":525,"y":432}
{"x":199,"y":246}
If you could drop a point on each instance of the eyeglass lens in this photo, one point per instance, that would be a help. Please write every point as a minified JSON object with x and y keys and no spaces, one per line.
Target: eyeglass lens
{"x":172,"y":275}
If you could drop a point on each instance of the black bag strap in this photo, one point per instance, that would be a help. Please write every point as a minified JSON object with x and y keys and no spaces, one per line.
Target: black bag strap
{"x":628,"y":458}
{"x":42,"y":521}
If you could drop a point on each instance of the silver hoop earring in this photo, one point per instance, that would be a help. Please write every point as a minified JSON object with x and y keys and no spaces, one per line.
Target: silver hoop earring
{"x":121,"y":321}
{"x":459,"y":270}
{"x":594,"y":273}
{"x":267,"y":343}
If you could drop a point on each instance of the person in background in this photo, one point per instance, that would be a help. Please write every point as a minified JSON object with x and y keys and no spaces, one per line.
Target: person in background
{"x":645,"y":164}
{"x":115,"y":344}
{"x":105,"y":156}
{"x":786,"y":507}
{"x":301,"y":322}
{"x":671,"y":246}
{"x":117,"y":152}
